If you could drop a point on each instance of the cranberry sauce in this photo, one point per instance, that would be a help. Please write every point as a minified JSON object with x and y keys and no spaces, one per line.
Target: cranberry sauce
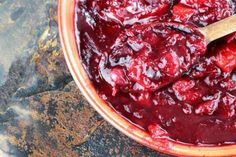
{"x":161,"y":76}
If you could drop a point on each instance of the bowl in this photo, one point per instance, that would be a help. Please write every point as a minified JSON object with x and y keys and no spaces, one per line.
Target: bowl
{"x":66,"y":19}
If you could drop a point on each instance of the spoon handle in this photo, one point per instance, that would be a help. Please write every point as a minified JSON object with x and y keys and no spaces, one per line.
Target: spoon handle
{"x":219,"y":29}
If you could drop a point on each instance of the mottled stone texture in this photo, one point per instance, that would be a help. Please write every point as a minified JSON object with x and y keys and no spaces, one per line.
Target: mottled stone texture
{"x":42,"y":113}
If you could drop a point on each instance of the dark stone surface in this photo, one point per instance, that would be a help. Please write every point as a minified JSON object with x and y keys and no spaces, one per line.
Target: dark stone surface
{"x":42,"y":113}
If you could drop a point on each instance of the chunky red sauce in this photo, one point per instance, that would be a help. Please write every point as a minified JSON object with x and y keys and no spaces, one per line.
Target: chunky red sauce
{"x":162,"y":76}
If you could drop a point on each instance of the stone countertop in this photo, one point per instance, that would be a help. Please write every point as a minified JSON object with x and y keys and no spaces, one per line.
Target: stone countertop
{"x":42,"y":113}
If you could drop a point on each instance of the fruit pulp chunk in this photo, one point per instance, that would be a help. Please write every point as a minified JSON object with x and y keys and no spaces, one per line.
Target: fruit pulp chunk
{"x":158,"y":75}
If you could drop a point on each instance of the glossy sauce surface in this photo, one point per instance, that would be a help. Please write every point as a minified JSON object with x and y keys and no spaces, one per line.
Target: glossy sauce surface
{"x":162,"y":77}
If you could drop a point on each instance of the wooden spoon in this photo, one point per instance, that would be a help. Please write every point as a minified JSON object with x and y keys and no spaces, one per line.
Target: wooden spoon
{"x":210,"y":33}
{"x":219,"y":29}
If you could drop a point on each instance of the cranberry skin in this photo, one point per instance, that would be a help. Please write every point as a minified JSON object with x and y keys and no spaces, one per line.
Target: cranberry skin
{"x":183,"y":85}
{"x":170,"y":64}
{"x":152,"y":66}
{"x":142,"y":98}
{"x":203,"y":12}
{"x":183,"y":13}
{"x":227,"y":106}
{"x":128,"y":12}
{"x":163,"y":98}
{"x":229,"y":83}
{"x":206,"y":67}
{"x":157,"y":132}
{"x":118,"y":76}
{"x":230,"y":38}
{"x":226,"y":57}
{"x":189,"y":91}
{"x":208,"y":107}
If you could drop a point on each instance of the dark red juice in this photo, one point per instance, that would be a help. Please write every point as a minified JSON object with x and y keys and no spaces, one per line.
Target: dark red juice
{"x":162,"y":78}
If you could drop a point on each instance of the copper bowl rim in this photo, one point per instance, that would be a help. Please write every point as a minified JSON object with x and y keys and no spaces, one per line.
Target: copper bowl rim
{"x":66,"y":18}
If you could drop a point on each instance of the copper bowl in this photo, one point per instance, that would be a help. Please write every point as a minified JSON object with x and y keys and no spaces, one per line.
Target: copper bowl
{"x":66,"y":18}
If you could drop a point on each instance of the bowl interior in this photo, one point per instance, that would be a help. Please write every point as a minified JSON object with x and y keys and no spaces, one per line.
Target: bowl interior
{"x":66,"y":18}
